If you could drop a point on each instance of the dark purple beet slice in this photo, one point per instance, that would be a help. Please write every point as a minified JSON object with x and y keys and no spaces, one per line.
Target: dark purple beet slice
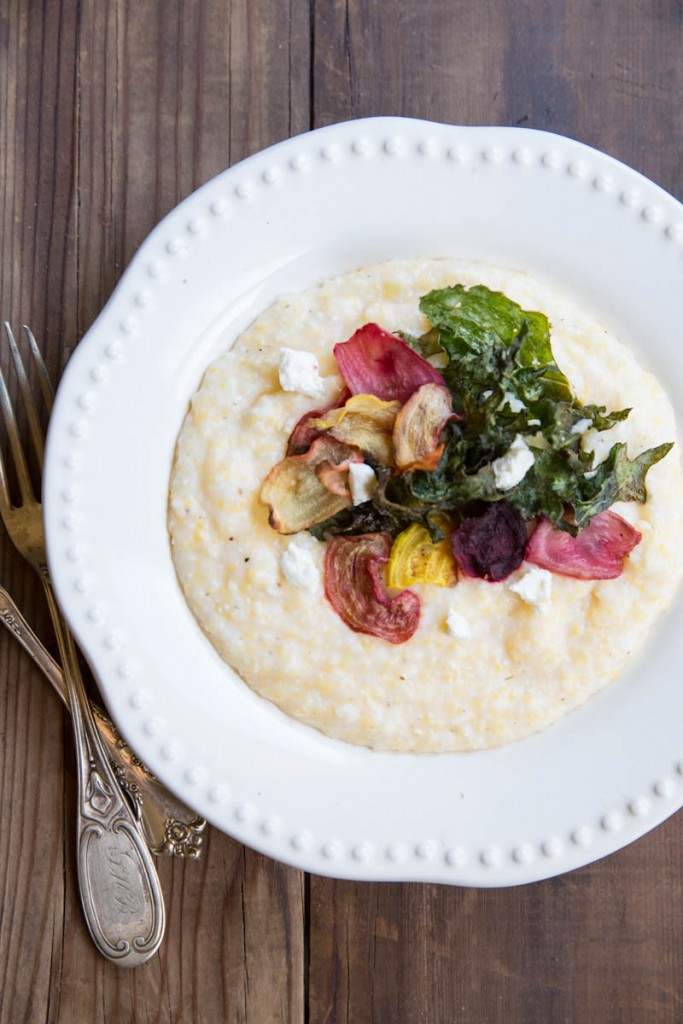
{"x":490,"y":546}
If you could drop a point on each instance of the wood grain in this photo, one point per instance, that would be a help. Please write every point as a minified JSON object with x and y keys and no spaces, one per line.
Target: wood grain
{"x":109,"y":115}
{"x":600,"y":944}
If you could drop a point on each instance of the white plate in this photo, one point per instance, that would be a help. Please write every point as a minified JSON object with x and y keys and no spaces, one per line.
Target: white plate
{"x":282,"y":220}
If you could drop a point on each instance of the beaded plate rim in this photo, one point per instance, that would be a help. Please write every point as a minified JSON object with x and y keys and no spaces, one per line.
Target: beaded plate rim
{"x":97,"y":365}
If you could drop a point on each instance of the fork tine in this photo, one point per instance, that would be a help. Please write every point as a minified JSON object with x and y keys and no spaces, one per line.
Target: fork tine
{"x":5,"y":499}
{"x":43,"y":376}
{"x":21,"y":466}
{"x":32,"y":417}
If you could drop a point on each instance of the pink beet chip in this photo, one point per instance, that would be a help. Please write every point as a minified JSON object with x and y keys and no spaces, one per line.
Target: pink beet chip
{"x":354,"y":588}
{"x":375,"y":362}
{"x":597,"y":553}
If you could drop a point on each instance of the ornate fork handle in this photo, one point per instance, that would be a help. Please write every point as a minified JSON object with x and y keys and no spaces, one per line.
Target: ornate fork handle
{"x":169,"y":826}
{"x":120,"y":889}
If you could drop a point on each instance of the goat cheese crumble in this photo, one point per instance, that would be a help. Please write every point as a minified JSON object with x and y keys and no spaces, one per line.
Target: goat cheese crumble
{"x":362,"y":482}
{"x":512,"y":467}
{"x":457,"y":625}
{"x":299,"y":566}
{"x":299,"y":371}
{"x":534,"y":588}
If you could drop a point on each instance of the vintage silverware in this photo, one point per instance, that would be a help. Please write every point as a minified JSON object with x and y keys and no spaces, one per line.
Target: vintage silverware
{"x":119,"y":887}
{"x":169,"y":826}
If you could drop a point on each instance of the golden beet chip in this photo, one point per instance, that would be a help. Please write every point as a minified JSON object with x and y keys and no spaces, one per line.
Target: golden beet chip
{"x":296,"y":493}
{"x":415,"y":558}
{"x":366,"y":422}
{"x":418,"y":427}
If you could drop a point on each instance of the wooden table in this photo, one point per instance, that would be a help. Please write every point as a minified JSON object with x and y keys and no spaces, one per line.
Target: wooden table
{"x":110,"y":113}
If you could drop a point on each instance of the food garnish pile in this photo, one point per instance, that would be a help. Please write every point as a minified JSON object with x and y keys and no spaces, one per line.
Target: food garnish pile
{"x":456,"y":453}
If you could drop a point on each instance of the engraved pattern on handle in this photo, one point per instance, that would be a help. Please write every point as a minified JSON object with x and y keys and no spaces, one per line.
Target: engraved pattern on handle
{"x":170,"y":828}
{"x":120,"y":890}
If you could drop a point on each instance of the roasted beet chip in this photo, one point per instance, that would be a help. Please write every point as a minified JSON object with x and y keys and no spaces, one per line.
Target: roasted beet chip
{"x":375,"y":362}
{"x":597,"y":553}
{"x":366,"y":422}
{"x":418,"y":427}
{"x":297,"y":490}
{"x":491,"y":545}
{"x":354,"y":588}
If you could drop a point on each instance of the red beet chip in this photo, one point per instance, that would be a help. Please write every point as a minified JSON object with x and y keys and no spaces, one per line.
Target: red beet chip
{"x":375,"y":362}
{"x":354,"y":588}
{"x":491,"y":545}
{"x":597,"y":553}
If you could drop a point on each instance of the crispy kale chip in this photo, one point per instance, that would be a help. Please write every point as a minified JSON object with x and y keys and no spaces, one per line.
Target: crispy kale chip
{"x":618,"y":478}
{"x":492,"y":341}
{"x":505,"y":383}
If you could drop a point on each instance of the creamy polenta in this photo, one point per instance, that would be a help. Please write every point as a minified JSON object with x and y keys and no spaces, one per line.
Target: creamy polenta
{"x":490,"y":662}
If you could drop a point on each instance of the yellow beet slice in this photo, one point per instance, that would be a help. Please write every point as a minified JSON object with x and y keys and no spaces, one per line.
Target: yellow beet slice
{"x":416,"y":559}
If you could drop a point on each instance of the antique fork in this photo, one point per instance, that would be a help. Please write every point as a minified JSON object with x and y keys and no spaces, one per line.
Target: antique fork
{"x":120,"y":891}
{"x":170,"y":827}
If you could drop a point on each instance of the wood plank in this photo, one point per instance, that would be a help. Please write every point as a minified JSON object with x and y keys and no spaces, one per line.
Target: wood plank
{"x":606,"y":74}
{"x":439,"y":60}
{"x":602,"y":943}
{"x":627,"y":77}
{"x":37,"y":225}
{"x":233,"y":949}
{"x":37,"y":169}
{"x":170,"y":95}
{"x":111,"y":114}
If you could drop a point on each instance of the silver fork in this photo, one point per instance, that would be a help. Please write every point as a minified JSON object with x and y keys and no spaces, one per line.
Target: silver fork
{"x":119,"y":886}
{"x":170,"y":827}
